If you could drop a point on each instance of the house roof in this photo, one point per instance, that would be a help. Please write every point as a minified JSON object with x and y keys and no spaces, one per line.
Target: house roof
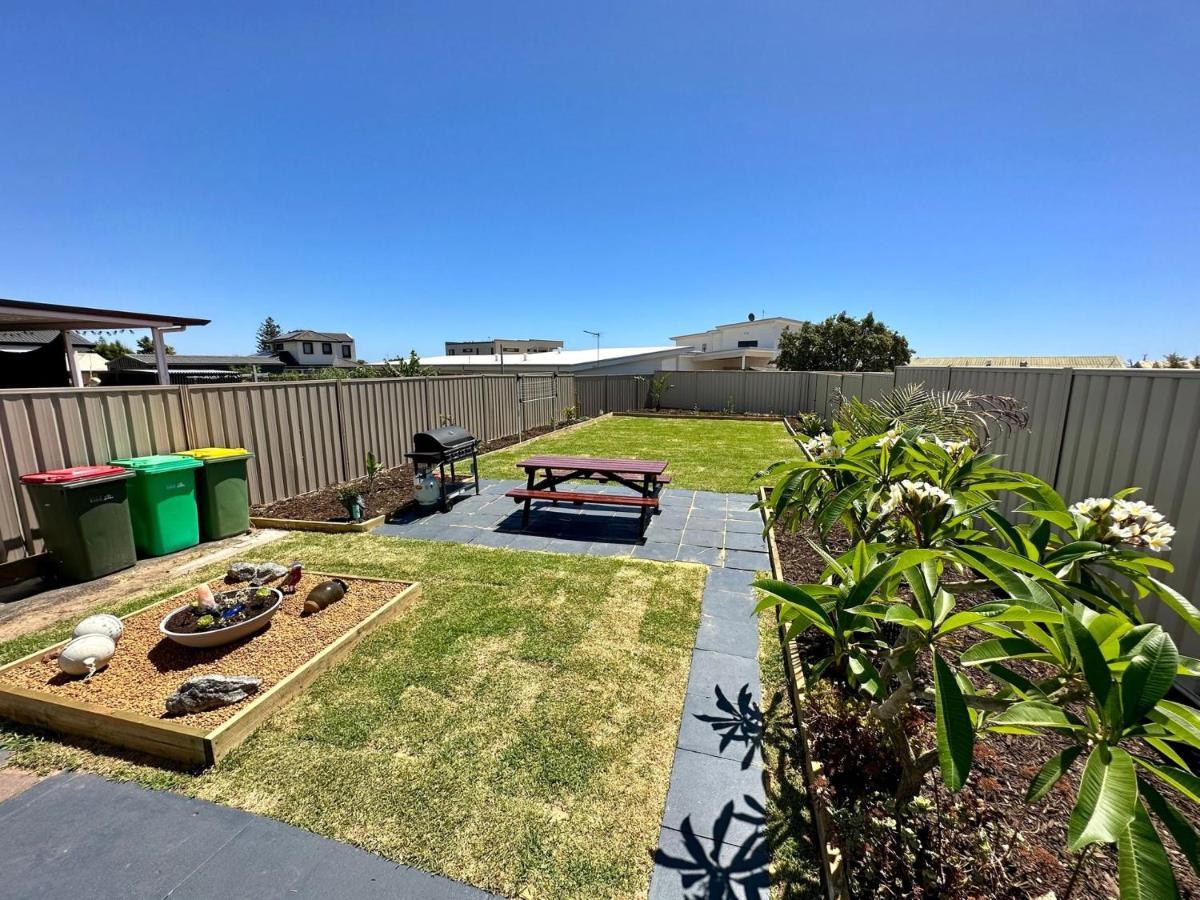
{"x":39,"y":337}
{"x":552,"y":359}
{"x":790,"y":321}
{"x":25,"y":314}
{"x":147,"y":361}
{"x":1055,"y":362}
{"x":304,"y":335}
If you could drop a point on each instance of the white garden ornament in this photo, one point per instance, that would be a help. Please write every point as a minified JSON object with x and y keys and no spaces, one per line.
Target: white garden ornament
{"x":103,"y":623}
{"x":87,"y":655}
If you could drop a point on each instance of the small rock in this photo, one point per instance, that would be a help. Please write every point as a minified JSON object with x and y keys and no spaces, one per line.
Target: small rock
{"x":256,"y":572}
{"x":211,"y":692}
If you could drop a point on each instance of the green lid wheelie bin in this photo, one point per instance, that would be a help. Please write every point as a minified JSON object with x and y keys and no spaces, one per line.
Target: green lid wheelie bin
{"x":83,"y":516}
{"x":222,"y":491}
{"x":162,"y":503}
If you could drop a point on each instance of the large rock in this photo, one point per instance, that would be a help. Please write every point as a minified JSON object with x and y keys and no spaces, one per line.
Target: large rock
{"x":255,"y":572}
{"x":211,"y":692}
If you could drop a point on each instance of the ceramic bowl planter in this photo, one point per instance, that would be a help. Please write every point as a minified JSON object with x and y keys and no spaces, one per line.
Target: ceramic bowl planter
{"x":216,"y":637}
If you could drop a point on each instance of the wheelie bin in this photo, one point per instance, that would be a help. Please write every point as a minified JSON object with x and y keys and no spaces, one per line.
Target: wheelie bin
{"x":162,"y":503}
{"x":222,"y":492}
{"x":83,"y":516}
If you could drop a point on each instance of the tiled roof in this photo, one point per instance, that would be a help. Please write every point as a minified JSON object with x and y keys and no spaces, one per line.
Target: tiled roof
{"x":43,"y":337}
{"x":314,"y":336}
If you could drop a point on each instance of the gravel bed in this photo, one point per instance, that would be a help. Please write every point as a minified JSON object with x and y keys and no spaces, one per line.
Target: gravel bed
{"x":148,"y":666}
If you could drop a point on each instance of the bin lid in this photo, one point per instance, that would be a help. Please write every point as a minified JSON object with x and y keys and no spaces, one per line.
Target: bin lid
{"x":73,"y":474}
{"x":214,"y":453}
{"x":151,"y":465}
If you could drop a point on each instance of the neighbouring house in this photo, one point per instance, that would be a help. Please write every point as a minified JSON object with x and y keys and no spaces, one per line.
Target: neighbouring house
{"x":141,"y":368}
{"x":605,"y":361}
{"x":305,"y":349}
{"x":1024,"y":362}
{"x":751,"y":344}
{"x":497,"y":346}
{"x":54,"y":362}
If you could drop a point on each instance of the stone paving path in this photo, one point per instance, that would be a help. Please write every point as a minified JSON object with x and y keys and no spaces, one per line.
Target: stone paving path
{"x":712,"y":842}
{"x":81,"y":836}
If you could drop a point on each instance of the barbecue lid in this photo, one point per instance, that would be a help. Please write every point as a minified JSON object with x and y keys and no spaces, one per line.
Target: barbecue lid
{"x":441,"y":438}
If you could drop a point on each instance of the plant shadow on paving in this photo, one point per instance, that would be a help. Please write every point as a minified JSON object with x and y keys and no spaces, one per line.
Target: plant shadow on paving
{"x":736,"y":724}
{"x":726,"y":871}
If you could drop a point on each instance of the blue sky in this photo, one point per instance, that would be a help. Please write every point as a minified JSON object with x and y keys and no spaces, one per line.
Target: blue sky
{"x":989,"y":177}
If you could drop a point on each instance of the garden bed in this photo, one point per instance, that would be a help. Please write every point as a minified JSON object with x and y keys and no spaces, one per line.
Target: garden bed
{"x":124,"y":704}
{"x":321,"y":510}
{"x":698,"y":414}
{"x":984,"y":840}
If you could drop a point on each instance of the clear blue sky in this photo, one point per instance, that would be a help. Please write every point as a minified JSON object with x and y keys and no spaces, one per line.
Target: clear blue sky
{"x":988,"y":177}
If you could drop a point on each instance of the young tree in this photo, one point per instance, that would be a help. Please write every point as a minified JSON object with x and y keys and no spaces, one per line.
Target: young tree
{"x":843,"y":343}
{"x":111,"y":349}
{"x":1174,"y":361}
{"x":268,"y":332}
{"x":145,"y":344}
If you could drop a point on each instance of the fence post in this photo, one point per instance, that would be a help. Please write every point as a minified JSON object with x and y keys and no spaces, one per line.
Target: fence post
{"x":339,"y":412}
{"x":185,"y":406}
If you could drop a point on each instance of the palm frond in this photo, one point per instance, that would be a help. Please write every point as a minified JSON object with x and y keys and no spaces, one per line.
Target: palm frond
{"x":951,"y":415}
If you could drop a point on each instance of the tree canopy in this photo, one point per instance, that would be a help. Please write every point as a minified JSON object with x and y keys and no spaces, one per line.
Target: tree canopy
{"x":111,"y":349}
{"x":843,"y":343}
{"x":145,"y":344}
{"x":268,"y":332}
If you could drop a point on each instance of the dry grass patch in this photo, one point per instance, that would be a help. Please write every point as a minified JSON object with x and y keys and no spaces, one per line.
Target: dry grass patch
{"x":514,"y":731}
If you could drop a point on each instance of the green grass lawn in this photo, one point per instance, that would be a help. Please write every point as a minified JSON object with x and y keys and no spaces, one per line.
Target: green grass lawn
{"x":705,"y":454}
{"x":514,"y":730}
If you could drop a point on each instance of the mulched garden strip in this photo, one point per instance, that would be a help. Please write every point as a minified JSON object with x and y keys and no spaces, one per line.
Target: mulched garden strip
{"x":984,"y":841}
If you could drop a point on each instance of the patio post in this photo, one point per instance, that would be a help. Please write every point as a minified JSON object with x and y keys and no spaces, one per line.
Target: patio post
{"x":72,"y":361}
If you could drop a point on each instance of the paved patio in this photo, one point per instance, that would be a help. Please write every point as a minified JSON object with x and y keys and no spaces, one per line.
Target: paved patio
{"x":712,"y":842}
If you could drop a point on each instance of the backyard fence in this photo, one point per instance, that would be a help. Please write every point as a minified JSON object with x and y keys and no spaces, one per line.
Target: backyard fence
{"x":305,"y":435}
{"x":1092,"y":432}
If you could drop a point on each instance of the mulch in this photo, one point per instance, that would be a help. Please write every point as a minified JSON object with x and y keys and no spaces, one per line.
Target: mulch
{"x":984,"y":841}
{"x":698,"y":414}
{"x":148,"y":667}
{"x":393,"y":492}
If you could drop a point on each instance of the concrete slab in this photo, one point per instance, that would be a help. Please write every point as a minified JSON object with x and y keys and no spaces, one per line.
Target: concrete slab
{"x":746,"y":559}
{"x":728,"y":636}
{"x":709,"y":556}
{"x":723,"y":726}
{"x":707,"y":792}
{"x":714,"y":673}
{"x":698,"y":537}
{"x":688,"y":866}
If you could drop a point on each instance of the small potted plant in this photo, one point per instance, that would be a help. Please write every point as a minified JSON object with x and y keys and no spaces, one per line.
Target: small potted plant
{"x":351,"y":498}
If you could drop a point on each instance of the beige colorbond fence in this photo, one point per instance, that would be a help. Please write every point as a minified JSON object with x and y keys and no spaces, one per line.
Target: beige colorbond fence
{"x":1092,"y":432}
{"x":305,"y":435}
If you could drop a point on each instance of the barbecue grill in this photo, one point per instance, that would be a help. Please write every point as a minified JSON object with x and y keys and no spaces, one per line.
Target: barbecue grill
{"x":441,"y":447}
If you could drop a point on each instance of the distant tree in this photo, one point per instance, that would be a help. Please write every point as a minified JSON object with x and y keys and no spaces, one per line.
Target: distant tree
{"x":145,"y":344}
{"x":1174,"y":361}
{"x":411,"y":367}
{"x":111,"y":349}
{"x":843,"y":343}
{"x":1196,"y":362}
{"x":266,"y":336}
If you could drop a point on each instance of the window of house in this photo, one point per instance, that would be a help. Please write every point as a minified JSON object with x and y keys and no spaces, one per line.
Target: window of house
{"x":511,"y":350}
{"x":279,"y":346}
{"x":307,"y":347}
{"x":327,"y":349}
{"x":704,"y":348}
{"x":345,"y":351}
{"x":747,"y":343}
{"x":451,"y":353}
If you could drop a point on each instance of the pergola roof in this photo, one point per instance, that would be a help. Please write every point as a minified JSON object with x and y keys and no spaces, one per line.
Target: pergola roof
{"x":20,"y":315}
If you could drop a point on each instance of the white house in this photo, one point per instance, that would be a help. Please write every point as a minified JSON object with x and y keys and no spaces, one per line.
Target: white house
{"x":316,"y":349}
{"x":604,"y":361}
{"x":752,"y":344}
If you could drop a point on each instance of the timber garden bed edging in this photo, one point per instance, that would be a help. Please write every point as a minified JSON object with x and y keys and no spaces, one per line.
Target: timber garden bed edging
{"x":316,"y":525}
{"x":688,"y":415}
{"x":833,"y":870}
{"x":169,"y":738}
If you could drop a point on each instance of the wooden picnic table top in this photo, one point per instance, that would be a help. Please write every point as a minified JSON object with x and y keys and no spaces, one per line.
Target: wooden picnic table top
{"x":595,"y":464}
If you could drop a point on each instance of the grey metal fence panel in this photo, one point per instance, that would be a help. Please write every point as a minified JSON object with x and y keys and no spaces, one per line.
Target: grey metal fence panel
{"x":293,"y":429}
{"x":1133,"y":427}
{"x":57,"y":427}
{"x":589,"y":394}
{"x":935,"y":378}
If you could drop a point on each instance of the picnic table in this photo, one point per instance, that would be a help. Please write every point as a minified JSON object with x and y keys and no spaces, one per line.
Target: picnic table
{"x":644,"y":478}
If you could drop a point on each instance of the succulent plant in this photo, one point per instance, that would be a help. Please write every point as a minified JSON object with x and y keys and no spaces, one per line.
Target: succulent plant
{"x":205,"y":622}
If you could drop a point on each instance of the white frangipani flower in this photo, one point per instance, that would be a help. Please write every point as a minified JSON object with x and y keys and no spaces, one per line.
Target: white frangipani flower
{"x":823,"y":447}
{"x":1132,"y":522}
{"x":919,"y":496}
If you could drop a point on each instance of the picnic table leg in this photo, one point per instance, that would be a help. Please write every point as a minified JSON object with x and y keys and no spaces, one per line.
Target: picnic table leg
{"x":528,"y":500}
{"x":647,"y":491}
{"x":553,"y":488}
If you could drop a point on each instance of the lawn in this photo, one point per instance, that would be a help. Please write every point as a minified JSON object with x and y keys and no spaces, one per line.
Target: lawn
{"x":514,"y":731}
{"x":705,"y":454}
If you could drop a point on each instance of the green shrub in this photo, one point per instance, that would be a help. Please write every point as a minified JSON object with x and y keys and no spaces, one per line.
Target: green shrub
{"x":809,"y":424}
{"x":1068,"y":582}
